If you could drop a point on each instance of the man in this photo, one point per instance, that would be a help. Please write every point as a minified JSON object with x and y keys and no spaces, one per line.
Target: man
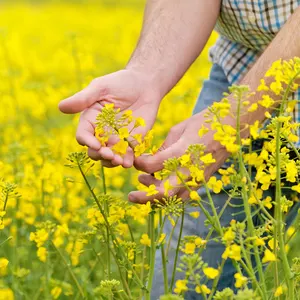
{"x":253,"y":34}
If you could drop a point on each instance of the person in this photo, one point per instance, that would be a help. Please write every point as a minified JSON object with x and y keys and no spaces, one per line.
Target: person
{"x":252,"y":35}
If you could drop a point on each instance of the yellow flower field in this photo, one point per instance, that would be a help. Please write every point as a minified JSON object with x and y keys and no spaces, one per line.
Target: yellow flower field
{"x":49,"y":51}
{"x":67,"y":230}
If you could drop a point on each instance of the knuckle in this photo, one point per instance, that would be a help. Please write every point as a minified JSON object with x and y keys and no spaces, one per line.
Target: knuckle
{"x":93,"y":155}
{"x":80,"y":139}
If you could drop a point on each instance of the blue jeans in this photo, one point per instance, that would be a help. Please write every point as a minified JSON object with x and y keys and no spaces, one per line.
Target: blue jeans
{"x":212,"y":91}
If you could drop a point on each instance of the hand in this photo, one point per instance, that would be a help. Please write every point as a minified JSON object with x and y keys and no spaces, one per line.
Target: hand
{"x":179,"y":138}
{"x":128,"y":90}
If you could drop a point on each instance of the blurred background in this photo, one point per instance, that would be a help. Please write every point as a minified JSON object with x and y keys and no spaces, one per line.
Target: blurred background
{"x":48,"y":51}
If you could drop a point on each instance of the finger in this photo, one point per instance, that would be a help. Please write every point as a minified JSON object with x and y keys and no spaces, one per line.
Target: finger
{"x":147,"y":180}
{"x":80,"y":101}
{"x":153,"y":163}
{"x":103,"y":154}
{"x":142,"y":198}
{"x":107,"y":164}
{"x":85,"y":134}
{"x":128,"y":158}
{"x":117,"y":160}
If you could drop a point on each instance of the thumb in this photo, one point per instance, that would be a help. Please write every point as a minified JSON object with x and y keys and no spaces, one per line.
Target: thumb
{"x":80,"y":101}
{"x":153,"y":163}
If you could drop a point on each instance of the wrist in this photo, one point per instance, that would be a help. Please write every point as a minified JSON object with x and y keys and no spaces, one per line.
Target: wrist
{"x":154,"y":78}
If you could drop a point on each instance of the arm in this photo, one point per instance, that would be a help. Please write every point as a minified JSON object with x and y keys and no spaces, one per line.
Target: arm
{"x":286,"y":45}
{"x":174,"y":33}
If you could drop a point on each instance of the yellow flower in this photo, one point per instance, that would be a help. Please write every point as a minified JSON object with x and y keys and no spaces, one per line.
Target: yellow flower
{"x":292,"y":138}
{"x":167,"y":187}
{"x":195,"y":214}
{"x":145,"y":240}
{"x":214,"y":184}
{"x":139,"y":149}
{"x":268,"y":115}
{"x":240,"y":280}
{"x":120,"y":147}
{"x":185,"y":159}
{"x":276,"y":87}
{"x":6,"y":294}
{"x":229,"y":236}
{"x":162,"y":238}
{"x":42,"y":254}
{"x":139,"y":122}
{"x":181,"y":286}
{"x":233,"y":252}
{"x":253,"y":107}
{"x":291,"y":171}
{"x":56,"y":291}
{"x":3,"y":266}
{"x":208,"y":159}
{"x":268,"y":256}
{"x":271,"y":243}
{"x":211,"y":273}
{"x":279,"y":291}
{"x":203,"y":130}
{"x":259,"y":241}
{"x":202,"y":289}
{"x":151,"y":190}
{"x":291,"y":231}
{"x":200,"y":242}
{"x":194,"y":195}
{"x":123,"y":133}
{"x":138,"y":137}
{"x":267,"y":202}
{"x":254,"y":130}
{"x":189,"y":248}
{"x":266,"y":101}
{"x":262,"y":86}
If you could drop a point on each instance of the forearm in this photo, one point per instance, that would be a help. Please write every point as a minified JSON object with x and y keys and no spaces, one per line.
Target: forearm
{"x":286,"y":45}
{"x":174,"y":33}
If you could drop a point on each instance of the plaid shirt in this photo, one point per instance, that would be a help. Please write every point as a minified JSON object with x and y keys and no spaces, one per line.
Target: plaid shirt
{"x":246,"y":28}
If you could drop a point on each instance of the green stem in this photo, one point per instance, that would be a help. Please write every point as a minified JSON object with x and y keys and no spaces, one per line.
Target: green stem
{"x":152,"y":255}
{"x":216,"y":280}
{"x":279,"y":234}
{"x":250,"y":225}
{"x":106,"y":208}
{"x":115,"y":243}
{"x":177,"y":250}
{"x":213,"y":208}
{"x":163,"y":255}
{"x":70,"y":271}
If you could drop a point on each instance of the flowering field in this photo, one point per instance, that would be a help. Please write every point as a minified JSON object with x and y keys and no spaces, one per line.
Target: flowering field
{"x":67,"y":230}
{"x":48,"y":52}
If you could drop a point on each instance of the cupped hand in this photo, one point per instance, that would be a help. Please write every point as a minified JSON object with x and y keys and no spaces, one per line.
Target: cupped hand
{"x":178,"y":140}
{"x":127,"y":90}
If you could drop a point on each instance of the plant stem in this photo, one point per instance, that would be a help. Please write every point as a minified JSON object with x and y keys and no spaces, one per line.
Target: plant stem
{"x":152,"y":255}
{"x":247,"y":209}
{"x":70,"y":271}
{"x":115,"y":243}
{"x":177,"y":250}
{"x":106,"y":208}
{"x":163,"y":255}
